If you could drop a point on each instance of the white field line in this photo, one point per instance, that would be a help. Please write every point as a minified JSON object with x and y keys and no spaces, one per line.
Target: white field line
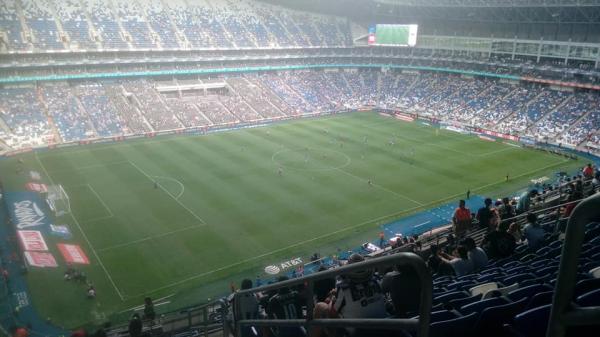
{"x":139,"y":307}
{"x":121,"y":245}
{"x":101,"y":201}
{"x":511,"y":144}
{"x":175,"y":180}
{"x":379,"y":186}
{"x":349,"y":228}
{"x":99,"y":218}
{"x":421,"y":224}
{"x":83,"y":234}
{"x":80,"y":168}
{"x":168,"y":193}
{"x":496,"y":151}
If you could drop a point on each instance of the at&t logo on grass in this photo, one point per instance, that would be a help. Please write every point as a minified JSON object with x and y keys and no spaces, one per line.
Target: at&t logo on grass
{"x":274,"y":269}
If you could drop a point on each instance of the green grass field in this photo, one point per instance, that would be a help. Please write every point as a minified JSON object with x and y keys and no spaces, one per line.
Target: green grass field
{"x":222,"y":211}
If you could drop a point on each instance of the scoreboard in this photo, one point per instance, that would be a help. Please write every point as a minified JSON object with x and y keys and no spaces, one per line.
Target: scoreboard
{"x":393,"y":35}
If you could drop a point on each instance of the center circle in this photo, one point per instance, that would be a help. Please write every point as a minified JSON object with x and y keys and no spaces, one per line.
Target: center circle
{"x":311,"y":159}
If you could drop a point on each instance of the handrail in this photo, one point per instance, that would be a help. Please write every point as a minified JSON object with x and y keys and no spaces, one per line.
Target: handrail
{"x":421,"y":325}
{"x":563,"y":314}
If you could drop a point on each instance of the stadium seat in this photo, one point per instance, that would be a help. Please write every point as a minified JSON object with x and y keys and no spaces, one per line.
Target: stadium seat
{"x":459,"y":302}
{"x":461,"y":326}
{"x":527,"y":292}
{"x":533,"y":322}
{"x":540,"y":299}
{"x":595,"y":272}
{"x":585,"y":286}
{"x":501,"y":291}
{"x":492,"y":319}
{"x":479,"y":306}
{"x":589,"y":299}
{"x":518,"y":278}
{"x":483,"y":288}
{"x":450,"y":296}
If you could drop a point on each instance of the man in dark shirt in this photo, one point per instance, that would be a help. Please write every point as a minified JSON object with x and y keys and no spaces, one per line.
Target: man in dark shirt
{"x":484,"y":214}
{"x":498,"y":244}
{"x":286,"y":304}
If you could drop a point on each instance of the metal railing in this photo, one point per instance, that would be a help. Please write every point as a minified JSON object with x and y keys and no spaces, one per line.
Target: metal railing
{"x":420,"y":325}
{"x":563,"y":314}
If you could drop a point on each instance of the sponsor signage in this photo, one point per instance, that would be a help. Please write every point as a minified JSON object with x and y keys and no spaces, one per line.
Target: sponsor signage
{"x":60,"y":231}
{"x":39,"y":259}
{"x":32,"y":241}
{"x":73,"y":254}
{"x":26,"y":210}
{"x":283,"y":266}
{"x":35,"y":187}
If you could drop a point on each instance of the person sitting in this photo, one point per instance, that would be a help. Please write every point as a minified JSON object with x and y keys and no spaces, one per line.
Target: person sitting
{"x":533,"y":233}
{"x":515,"y":230}
{"x":135,"y":326}
{"x":358,"y":295}
{"x":476,"y":255}
{"x":404,"y":287}
{"x":459,"y":262}
{"x":91,"y":292}
{"x":499,"y":243}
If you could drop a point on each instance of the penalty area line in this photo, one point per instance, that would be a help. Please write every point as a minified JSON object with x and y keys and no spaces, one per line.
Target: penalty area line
{"x":83,"y":234}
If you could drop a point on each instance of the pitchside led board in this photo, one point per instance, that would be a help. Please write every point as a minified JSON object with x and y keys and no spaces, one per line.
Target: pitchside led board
{"x":393,"y":35}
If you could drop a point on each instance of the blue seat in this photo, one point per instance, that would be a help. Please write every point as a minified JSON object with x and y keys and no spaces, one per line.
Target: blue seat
{"x":492,"y":319}
{"x":459,"y":302}
{"x":527,"y":292}
{"x":595,"y":241}
{"x":540,"y":299}
{"x":590,"y":252}
{"x":542,"y":251}
{"x":516,"y":270}
{"x":540,"y":263}
{"x":488,"y":277}
{"x":529,"y":282}
{"x":585,"y":286}
{"x":460,"y":326}
{"x":546,"y":271}
{"x":533,"y":322}
{"x":589,"y":299}
{"x":480,"y":305}
{"x":442,"y":315}
{"x":511,"y":264}
{"x":555,"y":244}
{"x":518,"y":278}
{"x":445,"y":298}
{"x":460,"y":285}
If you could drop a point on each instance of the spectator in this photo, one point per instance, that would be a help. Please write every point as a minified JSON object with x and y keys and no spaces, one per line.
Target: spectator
{"x":459,"y":262}
{"x":485,"y":215}
{"x":588,"y":171}
{"x":248,"y":306}
{"x":323,"y":288}
{"x":476,"y":255}
{"x":404,"y":287}
{"x":515,"y":230}
{"x":359,"y":295}
{"x":506,"y":210}
{"x":525,"y":201}
{"x":533,"y":233}
{"x":285,"y":304}
{"x":461,"y":219}
{"x":498,"y":244}
{"x":149,"y":313}
{"x":135,"y":326}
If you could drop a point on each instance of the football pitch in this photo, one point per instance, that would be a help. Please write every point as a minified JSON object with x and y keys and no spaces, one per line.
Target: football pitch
{"x":183,"y":216}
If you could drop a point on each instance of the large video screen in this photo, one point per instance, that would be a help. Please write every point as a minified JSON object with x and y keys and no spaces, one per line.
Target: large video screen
{"x":393,"y":35}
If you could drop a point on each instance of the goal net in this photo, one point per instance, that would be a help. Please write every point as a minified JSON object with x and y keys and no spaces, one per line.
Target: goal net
{"x":58,"y":200}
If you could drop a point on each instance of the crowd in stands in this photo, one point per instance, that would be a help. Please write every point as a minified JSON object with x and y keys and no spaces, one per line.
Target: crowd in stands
{"x":154,"y":24}
{"x":71,"y":112}
{"x":493,"y":275}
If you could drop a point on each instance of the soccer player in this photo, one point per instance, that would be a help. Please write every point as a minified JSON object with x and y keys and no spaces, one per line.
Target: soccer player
{"x":369,"y":182}
{"x":280,"y":171}
{"x":468,"y":194}
{"x":507,"y":177}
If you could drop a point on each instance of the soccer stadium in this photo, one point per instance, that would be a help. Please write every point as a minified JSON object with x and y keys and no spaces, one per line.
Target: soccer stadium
{"x":291,"y":168}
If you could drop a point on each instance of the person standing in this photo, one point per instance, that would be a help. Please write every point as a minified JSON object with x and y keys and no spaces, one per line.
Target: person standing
{"x":461,"y":219}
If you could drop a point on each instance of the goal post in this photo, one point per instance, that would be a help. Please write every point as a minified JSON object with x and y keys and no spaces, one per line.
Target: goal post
{"x":58,"y":200}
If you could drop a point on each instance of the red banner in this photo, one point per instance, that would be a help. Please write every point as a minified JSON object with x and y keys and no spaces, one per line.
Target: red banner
{"x":37,"y":259}
{"x":73,"y":254}
{"x":32,"y":241}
